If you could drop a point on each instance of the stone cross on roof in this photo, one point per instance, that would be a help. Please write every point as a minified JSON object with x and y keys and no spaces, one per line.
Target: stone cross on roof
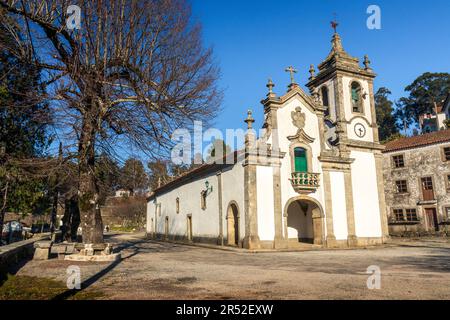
{"x":291,"y":71}
{"x":334,"y":23}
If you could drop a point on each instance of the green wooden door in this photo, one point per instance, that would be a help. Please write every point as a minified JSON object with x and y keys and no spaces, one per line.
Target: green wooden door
{"x":301,"y":164}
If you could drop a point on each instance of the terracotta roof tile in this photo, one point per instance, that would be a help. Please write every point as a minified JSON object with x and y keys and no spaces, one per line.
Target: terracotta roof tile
{"x":418,"y":141}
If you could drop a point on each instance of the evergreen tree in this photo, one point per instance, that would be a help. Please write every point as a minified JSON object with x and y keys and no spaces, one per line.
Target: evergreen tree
{"x":133,"y":176}
{"x":385,"y":117}
{"x":425,"y":94}
{"x":23,"y":129}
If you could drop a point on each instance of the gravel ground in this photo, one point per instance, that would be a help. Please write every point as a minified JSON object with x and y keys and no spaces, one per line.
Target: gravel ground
{"x":153,"y":270}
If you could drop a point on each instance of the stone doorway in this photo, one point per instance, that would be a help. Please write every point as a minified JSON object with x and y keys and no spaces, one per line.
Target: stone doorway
{"x":233,"y":225}
{"x":304,"y":221}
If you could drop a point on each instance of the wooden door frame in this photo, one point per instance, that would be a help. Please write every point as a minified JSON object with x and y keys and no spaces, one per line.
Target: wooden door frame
{"x":435,"y":221}
{"x":421,"y":186}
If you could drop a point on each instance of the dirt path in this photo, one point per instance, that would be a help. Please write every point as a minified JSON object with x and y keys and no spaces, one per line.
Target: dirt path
{"x":152,"y":270}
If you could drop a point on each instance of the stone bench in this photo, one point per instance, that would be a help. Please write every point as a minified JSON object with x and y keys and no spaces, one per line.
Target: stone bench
{"x":42,"y":250}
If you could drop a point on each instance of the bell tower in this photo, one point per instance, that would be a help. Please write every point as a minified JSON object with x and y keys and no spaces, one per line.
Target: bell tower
{"x":351,"y":155}
{"x":346,"y":89}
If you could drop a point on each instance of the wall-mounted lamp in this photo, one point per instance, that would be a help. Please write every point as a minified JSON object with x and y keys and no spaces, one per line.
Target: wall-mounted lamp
{"x":208,"y":189}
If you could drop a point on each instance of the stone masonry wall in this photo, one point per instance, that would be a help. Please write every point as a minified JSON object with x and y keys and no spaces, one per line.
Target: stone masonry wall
{"x":419,"y":162}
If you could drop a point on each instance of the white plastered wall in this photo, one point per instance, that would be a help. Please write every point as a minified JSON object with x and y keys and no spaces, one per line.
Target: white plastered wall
{"x":338,"y":205}
{"x":365,"y":195}
{"x":264,"y":190}
{"x":205,"y":223}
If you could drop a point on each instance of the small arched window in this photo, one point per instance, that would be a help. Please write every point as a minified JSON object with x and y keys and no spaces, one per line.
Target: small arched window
{"x":300,"y":160}
{"x":356,"y":97}
{"x":177,"y":205}
{"x":325,"y":100}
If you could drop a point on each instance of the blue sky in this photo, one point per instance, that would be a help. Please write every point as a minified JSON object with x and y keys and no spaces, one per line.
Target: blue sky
{"x":257,"y":39}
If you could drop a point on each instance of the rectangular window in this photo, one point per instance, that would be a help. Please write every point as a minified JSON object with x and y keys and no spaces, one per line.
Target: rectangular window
{"x":411,"y":215}
{"x":448,"y":181}
{"x":398,"y":215}
{"x":402,"y":186}
{"x":399,"y":161}
{"x":447,"y":154}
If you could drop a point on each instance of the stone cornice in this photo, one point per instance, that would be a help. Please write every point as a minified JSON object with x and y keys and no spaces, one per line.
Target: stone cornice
{"x":277,"y":102}
{"x":335,"y":159}
{"x":365,"y":145}
{"x":342,"y":71}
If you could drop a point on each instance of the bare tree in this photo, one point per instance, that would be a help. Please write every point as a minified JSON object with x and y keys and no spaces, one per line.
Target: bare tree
{"x":133,"y":72}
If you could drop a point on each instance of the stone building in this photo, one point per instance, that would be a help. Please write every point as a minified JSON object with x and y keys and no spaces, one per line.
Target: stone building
{"x":313,"y":177}
{"x":417,"y":184}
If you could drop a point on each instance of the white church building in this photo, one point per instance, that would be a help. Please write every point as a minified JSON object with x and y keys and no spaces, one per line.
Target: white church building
{"x":314,"y":178}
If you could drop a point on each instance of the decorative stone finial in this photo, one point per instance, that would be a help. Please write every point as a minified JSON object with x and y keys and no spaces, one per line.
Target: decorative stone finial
{"x":249,"y":120}
{"x":337,"y":43}
{"x":291,"y":71}
{"x":367,"y":63}
{"x":270,"y":86}
{"x":312,"y":72}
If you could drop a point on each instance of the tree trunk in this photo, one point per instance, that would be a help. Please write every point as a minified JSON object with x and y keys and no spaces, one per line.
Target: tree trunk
{"x":88,"y":194}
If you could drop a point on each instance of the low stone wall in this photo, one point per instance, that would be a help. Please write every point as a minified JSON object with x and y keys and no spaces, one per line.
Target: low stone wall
{"x":416,"y":230}
{"x":12,"y":254}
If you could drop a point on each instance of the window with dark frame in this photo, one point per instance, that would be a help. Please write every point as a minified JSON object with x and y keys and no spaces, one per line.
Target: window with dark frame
{"x":399,"y":161}
{"x":411,"y":215}
{"x":356,"y":97}
{"x":398,"y":215}
{"x":402,"y":186}
{"x":325,"y":100}
{"x":448,"y":181}
{"x":447,"y":153}
{"x":177,"y":205}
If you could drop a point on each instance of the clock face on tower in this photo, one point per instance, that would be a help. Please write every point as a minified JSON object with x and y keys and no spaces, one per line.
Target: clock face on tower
{"x":360,"y":130}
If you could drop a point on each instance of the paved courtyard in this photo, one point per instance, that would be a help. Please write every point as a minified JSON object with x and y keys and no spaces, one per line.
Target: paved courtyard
{"x":153,"y":270}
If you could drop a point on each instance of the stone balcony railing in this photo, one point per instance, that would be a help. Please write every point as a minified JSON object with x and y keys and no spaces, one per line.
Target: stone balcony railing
{"x":305,"y":182}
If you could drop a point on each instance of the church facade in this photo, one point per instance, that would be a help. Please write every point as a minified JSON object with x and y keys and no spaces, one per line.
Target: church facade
{"x":314,"y":178}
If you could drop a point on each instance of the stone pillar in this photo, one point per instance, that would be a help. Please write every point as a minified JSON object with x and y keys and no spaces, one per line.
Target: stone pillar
{"x":373,"y":114}
{"x":251,"y":239}
{"x":330,"y":238}
{"x":219,"y":184}
{"x":352,"y":240}
{"x":278,"y":241}
{"x":317,"y":226}
{"x":341,"y":129}
{"x":381,"y":196}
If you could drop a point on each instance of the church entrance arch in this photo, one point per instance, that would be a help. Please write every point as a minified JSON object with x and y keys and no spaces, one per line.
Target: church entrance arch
{"x":304,"y":220}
